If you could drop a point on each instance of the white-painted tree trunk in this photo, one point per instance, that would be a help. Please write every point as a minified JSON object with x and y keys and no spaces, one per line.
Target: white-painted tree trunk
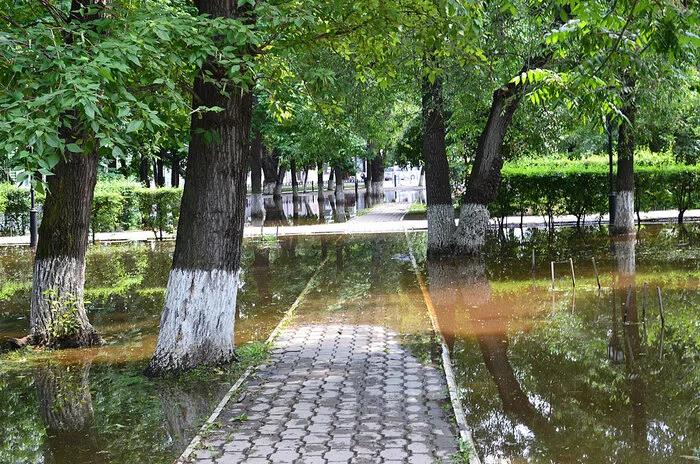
{"x":257,"y":209}
{"x":624,"y":212}
{"x":269,"y":187}
{"x":441,"y":228}
{"x":377,"y":189}
{"x":470,"y":236}
{"x":65,"y":277}
{"x":196,"y":328}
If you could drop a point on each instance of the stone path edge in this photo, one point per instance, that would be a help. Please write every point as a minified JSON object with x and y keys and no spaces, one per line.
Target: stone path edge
{"x":185,"y":456}
{"x":465,"y":433}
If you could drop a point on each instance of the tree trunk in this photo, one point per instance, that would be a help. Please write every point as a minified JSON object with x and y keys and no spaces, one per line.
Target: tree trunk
{"x":58,"y":318}
{"x":624,"y":209}
{"x":277,"y":192}
{"x":340,"y":214}
{"x":270,"y":165}
{"x":295,"y":181}
{"x":485,"y":176}
{"x":331,"y":180}
{"x":158,"y":170}
{"x":175,"y":174}
{"x":377,"y":168}
{"x":143,"y":171}
{"x":368,"y":177}
{"x":320,"y":180}
{"x":198,"y":317}
{"x":339,"y":184}
{"x":257,"y":209}
{"x":440,"y":212}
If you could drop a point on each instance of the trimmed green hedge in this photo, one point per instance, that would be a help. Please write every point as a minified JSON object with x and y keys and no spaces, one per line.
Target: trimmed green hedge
{"x":582,"y":190}
{"x":117,"y":205}
{"x":160,"y":209}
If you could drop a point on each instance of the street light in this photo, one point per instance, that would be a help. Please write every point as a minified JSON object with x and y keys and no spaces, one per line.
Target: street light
{"x":33,"y":233}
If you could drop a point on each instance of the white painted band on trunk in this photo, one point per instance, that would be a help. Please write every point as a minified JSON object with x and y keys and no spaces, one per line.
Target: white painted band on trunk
{"x":67,"y":276}
{"x":377,"y":189}
{"x":198,"y":319}
{"x":471,"y":232}
{"x":624,"y":212}
{"x":441,"y":227}
{"x":257,"y":205}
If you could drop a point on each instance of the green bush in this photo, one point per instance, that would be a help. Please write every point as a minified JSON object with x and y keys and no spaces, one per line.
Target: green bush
{"x":106,"y":209}
{"x":160,"y":209}
{"x":14,"y":206}
{"x":129,"y":216}
{"x":581,"y":188}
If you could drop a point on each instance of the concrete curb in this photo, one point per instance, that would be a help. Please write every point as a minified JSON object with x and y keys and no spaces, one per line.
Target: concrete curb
{"x":465,"y":433}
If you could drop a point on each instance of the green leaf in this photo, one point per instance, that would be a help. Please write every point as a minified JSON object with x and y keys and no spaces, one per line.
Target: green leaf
{"x":117,"y":152}
{"x":74,"y":148}
{"x":134,"y":126}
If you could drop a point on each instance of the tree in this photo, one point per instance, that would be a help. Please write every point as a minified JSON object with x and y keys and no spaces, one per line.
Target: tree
{"x":197,"y":322}
{"x":79,"y":86}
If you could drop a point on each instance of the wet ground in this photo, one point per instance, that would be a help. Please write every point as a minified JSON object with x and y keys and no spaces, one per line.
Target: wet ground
{"x":562,"y":376}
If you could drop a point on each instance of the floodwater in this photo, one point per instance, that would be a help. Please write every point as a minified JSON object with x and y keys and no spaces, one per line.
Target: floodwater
{"x":311,"y":208}
{"x":570,"y":375}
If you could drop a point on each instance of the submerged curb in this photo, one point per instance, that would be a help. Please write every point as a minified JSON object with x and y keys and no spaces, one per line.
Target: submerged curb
{"x":465,"y":433}
{"x":197,"y":440}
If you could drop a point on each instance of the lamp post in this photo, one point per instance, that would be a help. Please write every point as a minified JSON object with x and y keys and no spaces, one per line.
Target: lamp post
{"x":33,"y":232}
{"x":611,"y":195}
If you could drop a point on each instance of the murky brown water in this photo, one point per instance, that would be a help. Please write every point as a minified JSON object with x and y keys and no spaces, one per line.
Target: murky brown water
{"x":545,"y":376}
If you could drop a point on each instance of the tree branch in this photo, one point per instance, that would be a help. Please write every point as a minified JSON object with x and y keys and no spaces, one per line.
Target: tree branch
{"x":619,"y":39}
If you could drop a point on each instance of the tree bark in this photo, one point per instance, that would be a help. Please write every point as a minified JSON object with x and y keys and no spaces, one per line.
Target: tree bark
{"x":377,"y":168}
{"x":331,"y":180}
{"x":440,"y":212}
{"x":198,"y":317}
{"x":58,"y":318}
{"x":295,"y":181}
{"x":485,"y":176}
{"x":270,"y":165}
{"x":340,"y":214}
{"x":175,"y":174}
{"x":624,"y":210}
{"x":277,"y":192}
{"x":143,"y":171}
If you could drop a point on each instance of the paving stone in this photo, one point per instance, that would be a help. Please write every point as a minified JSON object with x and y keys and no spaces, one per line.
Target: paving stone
{"x":337,"y":393}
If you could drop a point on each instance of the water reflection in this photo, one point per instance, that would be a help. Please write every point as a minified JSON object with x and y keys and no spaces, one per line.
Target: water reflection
{"x":320,"y":206}
{"x":65,"y":405}
{"x":544,"y":381}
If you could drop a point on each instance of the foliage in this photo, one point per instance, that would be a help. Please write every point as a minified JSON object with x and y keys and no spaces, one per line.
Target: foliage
{"x":580,"y":188}
{"x":14,"y":207}
{"x":65,"y":314}
{"x":160,"y":209}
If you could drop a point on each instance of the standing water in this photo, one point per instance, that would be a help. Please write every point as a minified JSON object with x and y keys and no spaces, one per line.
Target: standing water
{"x":570,"y":375}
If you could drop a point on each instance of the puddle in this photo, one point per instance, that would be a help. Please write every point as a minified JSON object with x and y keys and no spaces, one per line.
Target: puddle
{"x":545,"y":376}
{"x":577,"y":374}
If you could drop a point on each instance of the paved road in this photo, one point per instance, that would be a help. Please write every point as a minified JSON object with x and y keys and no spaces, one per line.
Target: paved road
{"x":383,"y":218}
{"x":336,"y":393}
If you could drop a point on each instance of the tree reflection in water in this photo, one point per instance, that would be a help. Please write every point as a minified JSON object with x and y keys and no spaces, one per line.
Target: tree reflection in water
{"x":65,"y":404}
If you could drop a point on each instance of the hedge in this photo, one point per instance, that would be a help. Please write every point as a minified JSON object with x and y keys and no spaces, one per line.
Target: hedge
{"x":117,"y":205}
{"x":582,"y":190}
{"x":159,"y":208}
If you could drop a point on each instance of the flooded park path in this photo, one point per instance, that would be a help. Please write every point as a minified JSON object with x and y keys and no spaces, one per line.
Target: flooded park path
{"x":335,"y":393}
{"x":547,"y":371}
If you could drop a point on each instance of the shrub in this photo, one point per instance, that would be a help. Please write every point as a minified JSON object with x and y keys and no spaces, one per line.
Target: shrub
{"x":160,"y":209}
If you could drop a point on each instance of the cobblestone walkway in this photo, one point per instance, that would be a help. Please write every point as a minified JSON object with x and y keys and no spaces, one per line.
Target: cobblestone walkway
{"x":384,"y":212}
{"x":336,"y":393}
